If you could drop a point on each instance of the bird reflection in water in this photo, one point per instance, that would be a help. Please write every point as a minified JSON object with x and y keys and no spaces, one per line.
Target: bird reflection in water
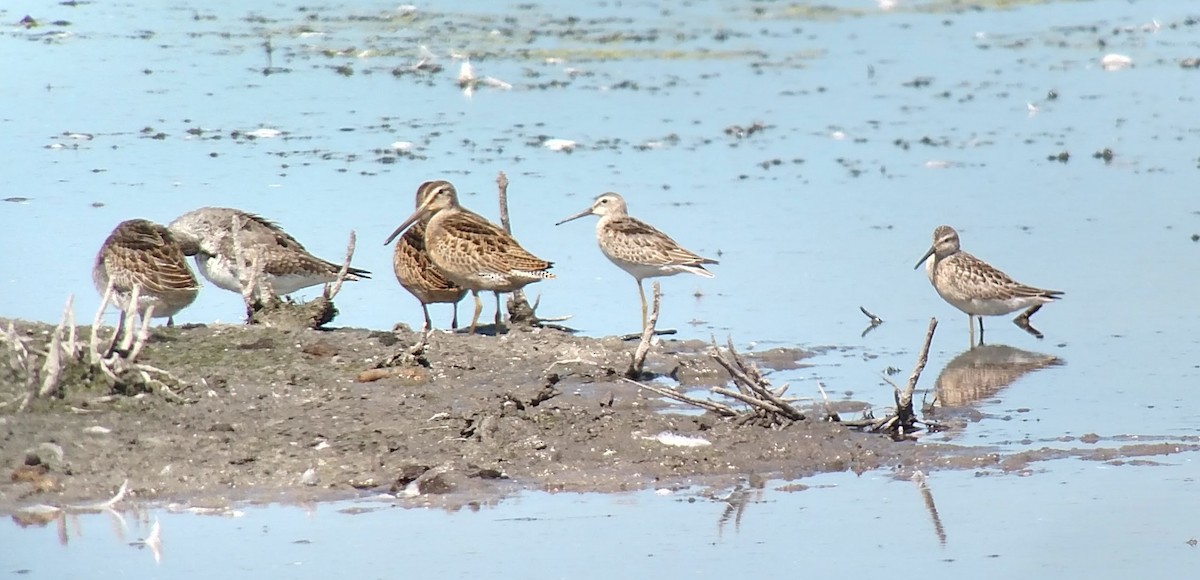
{"x":983,"y":371}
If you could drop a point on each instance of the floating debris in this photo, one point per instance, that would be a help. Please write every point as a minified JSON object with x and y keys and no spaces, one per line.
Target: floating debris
{"x":263,"y":133}
{"x":1116,"y":62}
{"x":467,"y":80}
{"x":16,"y":199}
{"x":427,"y":61}
{"x":559,"y":145}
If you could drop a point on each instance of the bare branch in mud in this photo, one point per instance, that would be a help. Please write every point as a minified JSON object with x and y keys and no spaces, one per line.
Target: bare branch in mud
{"x":902,"y":422}
{"x":904,"y":406}
{"x":715,"y":407}
{"x":751,"y":382}
{"x":768,"y":407}
{"x":519,"y":309}
{"x":829,"y":412}
{"x":57,"y":351}
{"x":334,"y":287}
{"x":94,"y":342}
{"x":502,"y":185}
{"x":43,"y":372}
{"x":639,"y":356}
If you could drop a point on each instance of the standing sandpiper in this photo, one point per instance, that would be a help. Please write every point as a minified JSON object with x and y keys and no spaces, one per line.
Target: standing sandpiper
{"x":416,"y":271}
{"x":470,"y":251}
{"x":976,"y":287}
{"x":145,"y":254}
{"x":637,"y":247}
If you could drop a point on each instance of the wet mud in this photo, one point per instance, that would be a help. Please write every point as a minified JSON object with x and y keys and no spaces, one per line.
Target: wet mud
{"x":275,"y":415}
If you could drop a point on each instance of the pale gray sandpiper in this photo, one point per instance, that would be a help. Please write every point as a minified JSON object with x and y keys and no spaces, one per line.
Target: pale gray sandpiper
{"x":286,"y":265}
{"x":470,"y":251}
{"x":416,"y":271}
{"x":145,"y":254}
{"x":976,"y":287}
{"x":637,"y":247}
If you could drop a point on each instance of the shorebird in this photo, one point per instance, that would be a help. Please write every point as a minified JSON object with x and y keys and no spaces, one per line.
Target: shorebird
{"x":976,"y":287}
{"x":637,"y":247}
{"x":470,"y":251}
{"x":286,"y":265}
{"x":145,"y":254}
{"x":416,"y":271}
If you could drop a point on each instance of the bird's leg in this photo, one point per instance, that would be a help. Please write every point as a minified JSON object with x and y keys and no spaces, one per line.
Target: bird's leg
{"x":499,"y":317}
{"x":428,"y":322}
{"x":642,"y":294}
{"x":454,"y":321}
{"x":1022,"y":321}
{"x":170,"y":322}
{"x":971,"y":328}
{"x":980,"y":330}
{"x":478,"y":309}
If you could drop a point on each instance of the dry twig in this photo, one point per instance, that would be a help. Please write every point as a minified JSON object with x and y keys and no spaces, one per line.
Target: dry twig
{"x":718,"y":408}
{"x":638,"y":360}
{"x":334,"y":287}
{"x":519,"y":309}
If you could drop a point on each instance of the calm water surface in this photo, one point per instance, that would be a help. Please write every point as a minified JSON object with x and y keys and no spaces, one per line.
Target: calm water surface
{"x":880,"y":125}
{"x":1063,"y":523}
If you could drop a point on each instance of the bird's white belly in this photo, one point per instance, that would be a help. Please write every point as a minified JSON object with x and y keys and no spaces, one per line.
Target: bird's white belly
{"x":641,"y":271}
{"x":219,"y":271}
{"x":992,"y":307}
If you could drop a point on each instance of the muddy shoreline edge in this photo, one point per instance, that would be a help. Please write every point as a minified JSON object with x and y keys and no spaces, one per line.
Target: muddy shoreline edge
{"x":279,"y":416}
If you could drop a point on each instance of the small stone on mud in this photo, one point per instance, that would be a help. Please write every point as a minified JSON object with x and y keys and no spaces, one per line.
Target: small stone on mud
{"x":320,"y":349}
{"x":221,"y":427}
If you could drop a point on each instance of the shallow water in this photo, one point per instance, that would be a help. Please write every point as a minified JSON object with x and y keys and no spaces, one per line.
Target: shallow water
{"x":885,"y":124}
{"x":987,"y":525}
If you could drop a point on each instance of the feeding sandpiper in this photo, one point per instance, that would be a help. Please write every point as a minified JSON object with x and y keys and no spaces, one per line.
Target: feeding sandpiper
{"x":145,"y":254}
{"x":286,"y":266}
{"x":637,"y":247}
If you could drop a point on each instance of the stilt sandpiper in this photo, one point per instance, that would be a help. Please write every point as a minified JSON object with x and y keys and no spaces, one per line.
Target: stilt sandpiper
{"x":976,"y":287}
{"x":637,"y":247}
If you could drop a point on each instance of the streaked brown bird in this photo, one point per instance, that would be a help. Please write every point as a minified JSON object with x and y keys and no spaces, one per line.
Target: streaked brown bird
{"x":976,"y":287}
{"x":637,"y":247}
{"x":285,"y":264}
{"x":470,"y":251}
{"x":145,"y":254}
{"x":415,"y":270}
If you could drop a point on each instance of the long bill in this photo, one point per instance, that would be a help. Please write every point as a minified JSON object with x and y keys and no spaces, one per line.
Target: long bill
{"x":418,"y":214}
{"x":583,"y":213}
{"x":925,"y":257}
